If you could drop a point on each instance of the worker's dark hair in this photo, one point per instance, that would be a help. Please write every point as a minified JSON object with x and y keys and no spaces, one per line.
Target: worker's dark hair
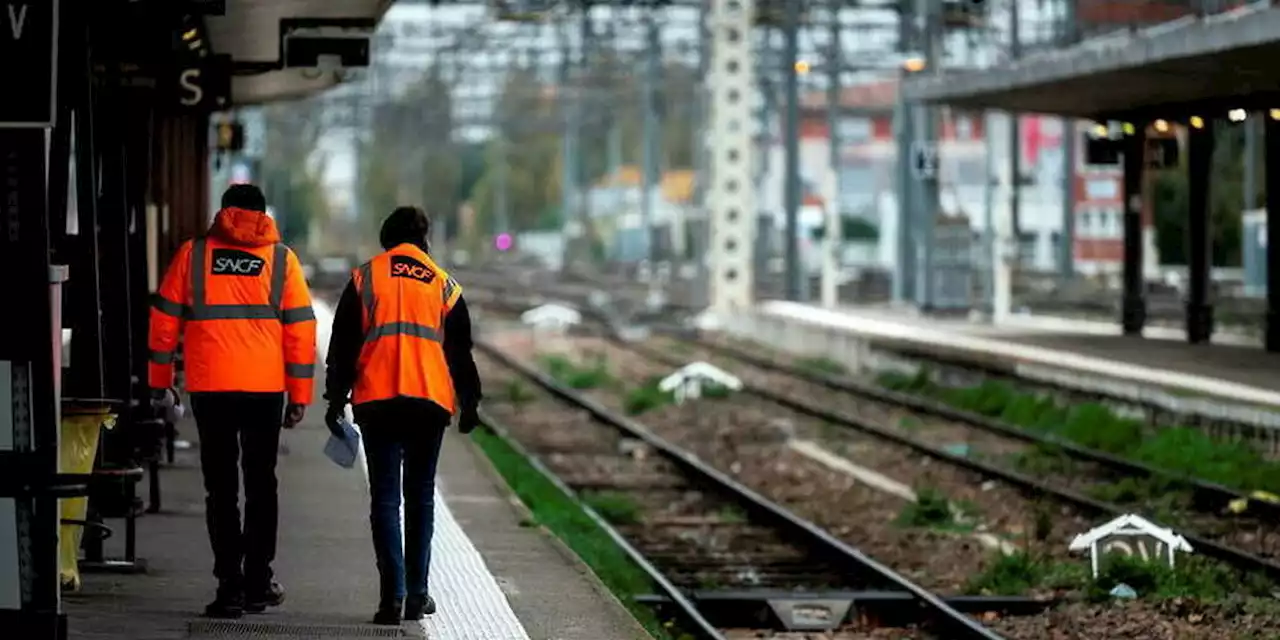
{"x":244,"y":196}
{"x":405,"y":224}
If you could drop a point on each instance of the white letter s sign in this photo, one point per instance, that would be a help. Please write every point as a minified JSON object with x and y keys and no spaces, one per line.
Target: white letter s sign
{"x":194,"y":93}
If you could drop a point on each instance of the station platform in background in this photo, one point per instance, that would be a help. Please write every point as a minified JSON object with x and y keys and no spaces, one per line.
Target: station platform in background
{"x":493,"y":577}
{"x":1233,"y":373}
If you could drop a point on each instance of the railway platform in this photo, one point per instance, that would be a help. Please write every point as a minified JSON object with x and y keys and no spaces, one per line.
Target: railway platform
{"x":1072,"y":353}
{"x":493,"y":576}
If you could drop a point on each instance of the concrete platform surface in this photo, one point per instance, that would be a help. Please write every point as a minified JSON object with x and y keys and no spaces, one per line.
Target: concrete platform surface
{"x":1230,"y":373}
{"x":497,"y":580}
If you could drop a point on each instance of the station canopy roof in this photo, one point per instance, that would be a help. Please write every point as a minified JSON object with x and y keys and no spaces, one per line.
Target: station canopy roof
{"x":1217,"y":59}
{"x":250,"y":32}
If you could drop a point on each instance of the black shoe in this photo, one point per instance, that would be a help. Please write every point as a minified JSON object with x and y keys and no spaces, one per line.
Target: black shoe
{"x":389,"y":613}
{"x":418,"y":606}
{"x":225,"y":607}
{"x":258,"y":601}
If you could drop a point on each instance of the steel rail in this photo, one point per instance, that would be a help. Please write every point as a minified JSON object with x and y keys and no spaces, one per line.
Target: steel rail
{"x":688,"y":610}
{"x":1231,"y":555}
{"x":954,"y":624}
{"x":975,"y":363}
{"x":1207,"y":492}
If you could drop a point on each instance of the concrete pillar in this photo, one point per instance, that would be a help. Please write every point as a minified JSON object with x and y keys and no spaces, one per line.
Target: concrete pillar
{"x":1271,"y":142}
{"x":731,"y":198}
{"x":1134,"y":302}
{"x":1199,"y":311}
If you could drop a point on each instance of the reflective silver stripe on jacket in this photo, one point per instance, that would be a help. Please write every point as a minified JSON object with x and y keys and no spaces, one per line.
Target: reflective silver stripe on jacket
{"x":404,"y":329}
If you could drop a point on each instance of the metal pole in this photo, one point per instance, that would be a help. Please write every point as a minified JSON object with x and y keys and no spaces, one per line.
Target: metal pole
{"x":568,"y":150}
{"x":648,"y":144}
{"x":989,"y":217}
{"x":904,"y":130}
{"x":1015,"y":141}
{"x":795,"y":291}
{"x":1066,"y":252}
{"x":701,"y":167}
{"x":927,"y":204}
{"x":834,"y":216}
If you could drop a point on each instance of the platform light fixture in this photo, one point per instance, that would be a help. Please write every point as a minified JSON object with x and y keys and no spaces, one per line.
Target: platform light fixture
{"x":913,"y":65}
{"x":1161,"y":126}
{"x":1099,"y":131}
{"x":1275,"y":114}
{"x":1237,"y":115}
{"x":1128,"y":129}
{"x":802,"y":67}
{"x":1197,"y":122}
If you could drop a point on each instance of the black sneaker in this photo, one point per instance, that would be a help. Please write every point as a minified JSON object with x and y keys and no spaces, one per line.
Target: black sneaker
{"x":225,"y":607}
{"x":258,"y":601}
{"x":418,"y":606}
{"x":389,"y":613}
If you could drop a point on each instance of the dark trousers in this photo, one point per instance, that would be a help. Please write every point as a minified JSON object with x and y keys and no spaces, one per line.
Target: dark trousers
{"x":240,"y":432}
{"x":396,"y":446}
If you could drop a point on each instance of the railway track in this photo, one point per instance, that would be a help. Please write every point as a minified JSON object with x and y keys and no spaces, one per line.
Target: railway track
{"x":627,"y":300}
{"x":1246,"y":536}
{"x":932,"y":435}
{"x":729,"y":562}
{"x":1087,"y":479}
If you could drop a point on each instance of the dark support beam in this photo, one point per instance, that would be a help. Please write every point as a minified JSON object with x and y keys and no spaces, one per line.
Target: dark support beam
{"x":1271,"y":140}
{"x":1199,"y":243}
{"x":1134,"y":303}
{"x":110,"y":130}
{"x":84,"y":376}
{"x":27,"y":369}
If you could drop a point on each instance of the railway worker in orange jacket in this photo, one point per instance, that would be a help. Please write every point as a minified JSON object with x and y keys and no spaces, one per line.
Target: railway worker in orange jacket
{"x":401,"y":346}
{"x":238,"y":299}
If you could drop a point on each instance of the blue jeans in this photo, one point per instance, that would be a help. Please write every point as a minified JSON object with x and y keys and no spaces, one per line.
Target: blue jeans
{"x":415,"y":448}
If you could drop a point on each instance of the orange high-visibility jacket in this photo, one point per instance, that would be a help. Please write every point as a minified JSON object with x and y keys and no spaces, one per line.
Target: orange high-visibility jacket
{"x":240,"y":302}
{"x":405,"y":296}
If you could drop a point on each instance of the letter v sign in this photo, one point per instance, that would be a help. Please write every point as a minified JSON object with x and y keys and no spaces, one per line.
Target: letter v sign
{"x":17,"y":19}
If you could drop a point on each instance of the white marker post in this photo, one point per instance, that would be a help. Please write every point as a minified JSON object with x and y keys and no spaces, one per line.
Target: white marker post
{"x":686,"y":383}
{"x":1133,"y":536}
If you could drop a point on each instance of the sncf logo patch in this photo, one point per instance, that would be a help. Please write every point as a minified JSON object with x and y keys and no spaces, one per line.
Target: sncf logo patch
{"x":406,"y":267}
{"x":233,"y":262}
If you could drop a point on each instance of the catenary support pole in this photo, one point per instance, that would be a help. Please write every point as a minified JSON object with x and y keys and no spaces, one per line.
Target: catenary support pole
{"x":904,"y":130}
{"x":701,"y":163}
{"x":796,"y":280}
{"x":1015,"y":146}
{"x":926,"y":202}
{"x":651,"y":132}
{"x":731,"y":196}
{"x":575,"y":230}
{"x":1069,"y":34}
{"x":832,"y":240}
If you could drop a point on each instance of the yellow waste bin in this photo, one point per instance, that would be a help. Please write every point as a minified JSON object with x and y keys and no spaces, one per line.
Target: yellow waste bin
{"x":77,"y":450}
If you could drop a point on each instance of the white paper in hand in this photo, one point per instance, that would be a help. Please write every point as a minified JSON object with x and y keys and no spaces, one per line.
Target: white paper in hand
{"x":343,"y":451}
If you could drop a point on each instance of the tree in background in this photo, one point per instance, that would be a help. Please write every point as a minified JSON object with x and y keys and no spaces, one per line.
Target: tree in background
{"x":530,"y":119}
{"x":293,"y":169}
{"x":409,"y":157}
